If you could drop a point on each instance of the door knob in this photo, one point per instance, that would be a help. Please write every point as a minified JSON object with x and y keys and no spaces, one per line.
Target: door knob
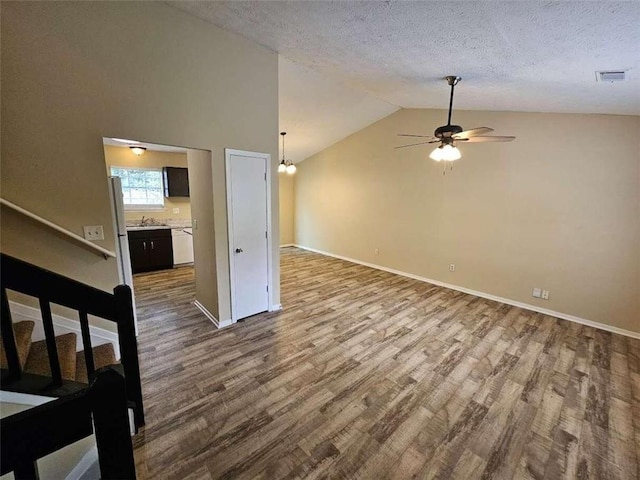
{"x":238,"y":250}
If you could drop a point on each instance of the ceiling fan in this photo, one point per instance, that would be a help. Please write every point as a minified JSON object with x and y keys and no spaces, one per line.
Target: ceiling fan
{"x":448,"y":134}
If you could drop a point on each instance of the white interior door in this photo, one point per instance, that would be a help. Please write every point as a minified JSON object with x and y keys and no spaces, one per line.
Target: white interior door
{"x":248,"y":232}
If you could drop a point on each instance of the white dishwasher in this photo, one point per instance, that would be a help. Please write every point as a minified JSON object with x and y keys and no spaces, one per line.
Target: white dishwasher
{"x":182,"y":245}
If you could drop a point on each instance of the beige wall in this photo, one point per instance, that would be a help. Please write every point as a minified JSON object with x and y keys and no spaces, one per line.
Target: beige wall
{"x":287,"y":205}
{"x":558,"y":208}
{"x":200,"y":186}
{"x":124,"y":157}
{"x":74,"y":72}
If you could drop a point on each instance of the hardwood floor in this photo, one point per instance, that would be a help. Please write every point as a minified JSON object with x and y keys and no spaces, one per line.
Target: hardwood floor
{"x":370,"y":375}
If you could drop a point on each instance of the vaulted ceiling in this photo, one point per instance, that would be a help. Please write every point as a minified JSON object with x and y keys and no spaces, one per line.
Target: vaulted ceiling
{"x":347,"y":64}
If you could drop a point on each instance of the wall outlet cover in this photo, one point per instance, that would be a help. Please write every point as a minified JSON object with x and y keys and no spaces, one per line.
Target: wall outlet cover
{"x":452,"y":267}
{"x":93,"y":232}
{"x":545,"y":294}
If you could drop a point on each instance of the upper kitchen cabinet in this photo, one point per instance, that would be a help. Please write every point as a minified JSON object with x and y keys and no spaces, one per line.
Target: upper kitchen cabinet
{"x":176,"y":182}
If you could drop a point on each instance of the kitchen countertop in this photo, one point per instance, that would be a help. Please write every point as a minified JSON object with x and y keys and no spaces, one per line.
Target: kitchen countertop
{"x":150,"y":227}
{"x":134,"y":228}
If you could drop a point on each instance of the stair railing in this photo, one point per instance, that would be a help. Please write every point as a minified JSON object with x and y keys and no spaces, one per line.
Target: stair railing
{"x":75,"y":237}
{"x":101,"y":409}
{"x":52,"y":288}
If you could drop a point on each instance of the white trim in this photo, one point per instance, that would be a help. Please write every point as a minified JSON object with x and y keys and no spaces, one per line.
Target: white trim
{"x":227,"y":160}
{"x":62,"y":325}
{"x":88,"y":460}
{"x":58,"y":228}
{"x":275,"y":308}
{"x":526,"y":306}
{"x":210,"y":316}
{"x":287,"y":245}
{"x":24,"y":398}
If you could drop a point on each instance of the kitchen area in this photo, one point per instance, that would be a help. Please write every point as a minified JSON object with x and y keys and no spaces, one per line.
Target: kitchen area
{"x":152,"y":209}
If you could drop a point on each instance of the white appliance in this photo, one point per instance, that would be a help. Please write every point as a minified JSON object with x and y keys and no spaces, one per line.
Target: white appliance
{"x":182,"y":239}
{"x":125,"y":275}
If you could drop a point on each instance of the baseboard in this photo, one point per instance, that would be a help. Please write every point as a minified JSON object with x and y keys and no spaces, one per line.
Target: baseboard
{"x":210,"y":316}
{"x":275,"y":308}
{"x":288,"y":245}
{"x":488,"y":296}
{"x":62,"y":325}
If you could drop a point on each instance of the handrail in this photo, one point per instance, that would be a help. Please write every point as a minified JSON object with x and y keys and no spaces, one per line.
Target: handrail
{"x":44,"y":221}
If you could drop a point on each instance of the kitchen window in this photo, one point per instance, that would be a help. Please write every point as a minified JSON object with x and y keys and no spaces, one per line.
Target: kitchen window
{"x":142,"y":188}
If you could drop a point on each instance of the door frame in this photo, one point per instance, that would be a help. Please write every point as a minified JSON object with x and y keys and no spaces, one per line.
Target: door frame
{"x":227,"y":160}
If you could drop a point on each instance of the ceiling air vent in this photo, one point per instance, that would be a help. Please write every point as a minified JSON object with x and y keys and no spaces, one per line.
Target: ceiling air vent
{"x":610,"y":76}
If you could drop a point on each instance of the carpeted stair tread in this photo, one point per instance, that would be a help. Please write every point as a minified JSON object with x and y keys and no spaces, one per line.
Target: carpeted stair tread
{"x":22,"y":332}
{"x":103,"y":355}
{"x":38,"y":360}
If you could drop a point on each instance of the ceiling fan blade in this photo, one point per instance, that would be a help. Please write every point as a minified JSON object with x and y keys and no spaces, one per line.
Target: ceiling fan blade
{"x":486,"y":139}
{"x":474,"y":132}
{"x":416,"y":144}
{"x":407,"y":135}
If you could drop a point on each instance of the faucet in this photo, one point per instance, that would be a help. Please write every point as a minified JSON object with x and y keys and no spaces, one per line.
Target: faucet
{"x":142,"y":221}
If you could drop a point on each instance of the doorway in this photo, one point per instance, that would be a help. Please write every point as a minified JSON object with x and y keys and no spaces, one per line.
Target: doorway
{"x":149,"y":192}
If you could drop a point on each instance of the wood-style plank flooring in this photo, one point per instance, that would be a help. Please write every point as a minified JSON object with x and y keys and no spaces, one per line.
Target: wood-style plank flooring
{"x":369,"y":375}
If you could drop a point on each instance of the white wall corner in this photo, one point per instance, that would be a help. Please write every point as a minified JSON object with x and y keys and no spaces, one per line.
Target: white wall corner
{"x":210,"y":316}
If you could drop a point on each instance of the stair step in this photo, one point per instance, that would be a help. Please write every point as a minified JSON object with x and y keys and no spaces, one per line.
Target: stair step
{"x":22,"y":332}
{"x":103,"y":355}
{"x":38,"y":360}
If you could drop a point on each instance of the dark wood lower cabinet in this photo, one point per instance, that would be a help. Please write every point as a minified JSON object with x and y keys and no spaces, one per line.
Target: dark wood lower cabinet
{"x":150,"y":250}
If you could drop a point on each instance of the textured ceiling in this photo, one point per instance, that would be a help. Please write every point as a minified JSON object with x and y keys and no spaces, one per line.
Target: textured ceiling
{"x":514,"y":55}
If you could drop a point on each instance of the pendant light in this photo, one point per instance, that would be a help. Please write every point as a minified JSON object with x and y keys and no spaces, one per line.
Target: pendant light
{"x":286,"y":165}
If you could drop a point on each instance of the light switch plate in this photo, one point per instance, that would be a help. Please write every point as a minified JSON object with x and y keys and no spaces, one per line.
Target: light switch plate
{"x":93,"y":232}
{"x":537,"y":292}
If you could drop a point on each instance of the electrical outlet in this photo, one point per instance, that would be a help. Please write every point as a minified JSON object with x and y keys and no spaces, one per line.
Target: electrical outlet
{"x":452,"y":267}
{"x":176,"y":210}
{"x":537,"y":292}
{"x":376,"y":251}
{"x":545,"y":294}
{"x":93,"y":232}
{"x":194,"y":224}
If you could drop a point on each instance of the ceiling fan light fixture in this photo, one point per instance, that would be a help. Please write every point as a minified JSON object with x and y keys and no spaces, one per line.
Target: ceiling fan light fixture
{"x":450,"y":153}
{"x":436,"y":154}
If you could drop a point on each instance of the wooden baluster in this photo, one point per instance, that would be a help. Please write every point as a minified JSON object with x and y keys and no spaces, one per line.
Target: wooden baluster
{"x":27,"y":471}
{"x":129,"y":350}
{"x":50,"y":338}
{"x":9,"y":341}
{"x":111,"y":423}
{"x":86,"y":342}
